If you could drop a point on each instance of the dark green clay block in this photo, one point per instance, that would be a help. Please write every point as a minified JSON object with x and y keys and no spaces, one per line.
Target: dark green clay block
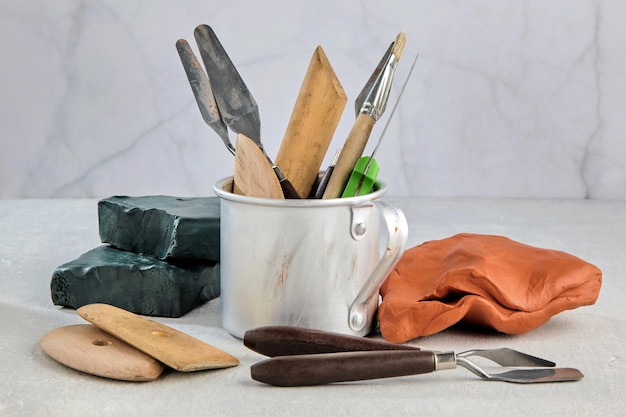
{"x":136,"y":283}
{"x":168,"y":228}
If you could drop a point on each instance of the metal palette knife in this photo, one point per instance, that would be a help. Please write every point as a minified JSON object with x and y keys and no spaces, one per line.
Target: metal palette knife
{"x":301,"y":357}
{"x":222,"y":96}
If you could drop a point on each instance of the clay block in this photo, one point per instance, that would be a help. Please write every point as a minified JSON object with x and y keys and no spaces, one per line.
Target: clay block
{"x":140,"y":284}
{"x":165,"y":227}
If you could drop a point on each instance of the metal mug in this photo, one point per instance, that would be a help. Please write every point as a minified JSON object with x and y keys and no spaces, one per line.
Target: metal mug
{"x":312,"y":263}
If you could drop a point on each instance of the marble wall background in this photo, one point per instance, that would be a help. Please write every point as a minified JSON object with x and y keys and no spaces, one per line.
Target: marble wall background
{"x":514,"y":98}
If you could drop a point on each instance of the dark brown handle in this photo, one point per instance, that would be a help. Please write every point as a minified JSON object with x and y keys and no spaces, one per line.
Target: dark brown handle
{"x":289,"y":190}
{"x":326,"y":368}
{"x":289,"y":340}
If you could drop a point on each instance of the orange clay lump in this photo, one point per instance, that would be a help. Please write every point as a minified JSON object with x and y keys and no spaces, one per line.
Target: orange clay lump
{"x":482,"y":280}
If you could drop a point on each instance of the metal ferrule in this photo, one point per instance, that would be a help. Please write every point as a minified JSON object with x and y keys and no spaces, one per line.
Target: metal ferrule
{"x":445,"y":360}
{"x":376,"y":98}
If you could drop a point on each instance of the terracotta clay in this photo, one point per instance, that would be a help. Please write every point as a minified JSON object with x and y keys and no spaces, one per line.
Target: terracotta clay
{"x":482,"y":280}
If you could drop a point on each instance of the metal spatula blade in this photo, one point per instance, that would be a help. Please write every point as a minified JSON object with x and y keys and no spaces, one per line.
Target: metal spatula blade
{"x":203,"y":92}
{"x":530,"y":369}
{"x":237,"y":106}
{"x":507,"y":357}
{"x":534,"y":376}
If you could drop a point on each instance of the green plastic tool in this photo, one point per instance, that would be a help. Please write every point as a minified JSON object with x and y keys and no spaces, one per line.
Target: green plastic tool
{"x":362,"y":178}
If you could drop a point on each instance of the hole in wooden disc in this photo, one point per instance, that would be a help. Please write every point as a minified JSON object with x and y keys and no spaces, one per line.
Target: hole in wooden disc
{"x":102,"y":342}
{"x":161,"y":334}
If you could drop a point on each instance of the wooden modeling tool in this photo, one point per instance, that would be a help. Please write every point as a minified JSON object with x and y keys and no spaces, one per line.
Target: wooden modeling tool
{"x":88,"y":349}
{"x":176,"y":349}
{"x":313,"y":122}
{"x":254,"y":176}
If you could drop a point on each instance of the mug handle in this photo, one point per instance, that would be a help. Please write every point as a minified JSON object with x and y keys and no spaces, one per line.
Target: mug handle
{"x":398,"y":232}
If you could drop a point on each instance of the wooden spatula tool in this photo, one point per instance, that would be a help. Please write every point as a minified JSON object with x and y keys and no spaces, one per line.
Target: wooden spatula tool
{"x":176,"y":349}
{"x":254,"y":175}
{"x":313,"y":121}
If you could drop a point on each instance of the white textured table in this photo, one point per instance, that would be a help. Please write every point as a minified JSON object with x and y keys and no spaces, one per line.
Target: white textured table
{"x":38,"y":235}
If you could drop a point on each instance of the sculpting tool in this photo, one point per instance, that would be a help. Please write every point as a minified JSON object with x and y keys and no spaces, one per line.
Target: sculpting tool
{"x":229,"y":104}
{"x":321,"y":187}
{"x":253,"y":174}
{"x":203,"y":93}
{"x":366,"y":169}
{"x":176,"y":349}
{"x":369,"y":106}
{"x":88,"y":349}
{"x":313,"y":121}
{"x":246,"y":176}
{"x":301,"y":357}
{"x":238,"y":108}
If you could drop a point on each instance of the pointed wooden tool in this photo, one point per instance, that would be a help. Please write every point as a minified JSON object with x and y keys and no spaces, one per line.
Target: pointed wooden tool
{"x":88,"y":349}
{"x":254,"y":176}
{"x":176,"y":349}
{"x":315,"y":117}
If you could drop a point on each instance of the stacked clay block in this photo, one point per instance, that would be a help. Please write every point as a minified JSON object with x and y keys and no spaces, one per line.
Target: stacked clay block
{"x":161,"y":257}
{"x":167,"y":228}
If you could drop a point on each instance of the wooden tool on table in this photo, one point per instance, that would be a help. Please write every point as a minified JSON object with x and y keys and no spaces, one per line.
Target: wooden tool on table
{"x":88,"y":349}
{"x":369,"y":106}
{"x":313,"y":121}
{"x":254,"y":176}
{"x":176,"y":349}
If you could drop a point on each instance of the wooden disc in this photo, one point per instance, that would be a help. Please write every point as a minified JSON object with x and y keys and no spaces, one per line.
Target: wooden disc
{"x":88,"y":349}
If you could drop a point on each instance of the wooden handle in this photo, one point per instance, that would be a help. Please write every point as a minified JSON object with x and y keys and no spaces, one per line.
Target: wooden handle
{"x":254,"y":175}
{"x":326,"y":368}
{"x":170,"y":346}
{"x":350,"y":153}
{"x":315,"y":117}
{"x":288,"y":340}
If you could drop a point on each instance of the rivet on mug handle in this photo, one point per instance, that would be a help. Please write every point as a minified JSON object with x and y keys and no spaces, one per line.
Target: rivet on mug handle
{"x":360,"y":215}
{"x":398,"y":231}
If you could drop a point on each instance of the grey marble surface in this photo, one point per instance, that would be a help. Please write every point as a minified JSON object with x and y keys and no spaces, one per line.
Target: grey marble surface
{"x":38,"y":235}
{"x":520,"y":98}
